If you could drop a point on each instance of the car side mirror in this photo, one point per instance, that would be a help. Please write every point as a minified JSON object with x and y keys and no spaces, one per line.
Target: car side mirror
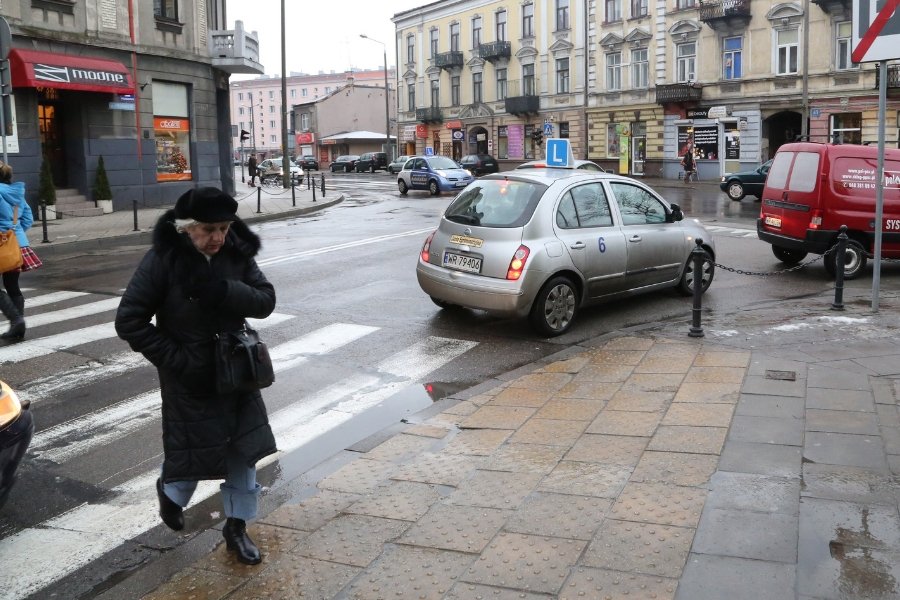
{"x":676,"y":213}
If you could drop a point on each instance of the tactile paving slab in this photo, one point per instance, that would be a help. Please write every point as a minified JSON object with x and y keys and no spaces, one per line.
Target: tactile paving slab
{"x":525,"y":458}
{"x":296,"y":577}
{"x":400,"y":447}
{"x":612,"y":449}
{"x":439,"y":468}
{"x":460,"y":528}
{"x":405,"y":500}
{"x":474,"y":591}
{"x":640,"y":401}
{"x":311,"y":513}
{"x":684,"y":438}
{"x":625,"y":422}
{"x":358,"y":477}
{"x":195,"y":584}
{"x":558,"y":515}
{"x":351,"y":539}
{"x":479,"y":442}
{"x":570,"y":409}
{"x":464,"y":408}
{"x":647,"y":548}
{"x":495,"y":489}
{"x":498,"y":417}
{"x":589,"y":389}
{"x":727,"y":393}
{"x":273,"y":542}
{"x":659,"y":503}
{"x":586,"y":479}
{"x":653,"y":382}
{"x":525,"y":562}
{"x":551,"y":432}
{"x":569,"y":365}
{"x":598,"y":584}
{"x":607,"y":356}
{"x":664,"y":364}
{"x":409,"y":572}
{"x":678,"y":468}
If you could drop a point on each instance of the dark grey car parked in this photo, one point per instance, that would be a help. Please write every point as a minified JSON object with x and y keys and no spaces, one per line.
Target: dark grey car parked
{"x":370,"y":161}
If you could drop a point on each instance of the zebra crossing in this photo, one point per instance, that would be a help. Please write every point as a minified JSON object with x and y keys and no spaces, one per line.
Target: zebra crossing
{"x":730,"y":231}
{"x":60,"y":545}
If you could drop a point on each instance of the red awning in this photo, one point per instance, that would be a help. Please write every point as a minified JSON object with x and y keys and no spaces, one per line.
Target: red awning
{"x":31,"y":68}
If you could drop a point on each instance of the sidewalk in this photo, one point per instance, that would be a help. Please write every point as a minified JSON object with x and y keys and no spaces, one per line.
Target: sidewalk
{"x":757,"y":462}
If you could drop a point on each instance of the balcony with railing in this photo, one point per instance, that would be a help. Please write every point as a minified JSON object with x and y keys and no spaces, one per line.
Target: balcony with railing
{"x":522,"y":97}
{"x":838,"y":9}
{"x":893,"y":80}
{"x":675,"y":93}
{"x":235,"y":50}
{"x":495,"y":51}
{"x":725,"y":15}
{"x":431,"y":114}
{"x":449,"y":60}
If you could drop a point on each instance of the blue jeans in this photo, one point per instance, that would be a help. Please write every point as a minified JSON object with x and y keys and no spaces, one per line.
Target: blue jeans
{"x":240,"y":492}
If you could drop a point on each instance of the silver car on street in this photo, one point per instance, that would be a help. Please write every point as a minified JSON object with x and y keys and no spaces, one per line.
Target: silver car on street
{"x":544,"y":243}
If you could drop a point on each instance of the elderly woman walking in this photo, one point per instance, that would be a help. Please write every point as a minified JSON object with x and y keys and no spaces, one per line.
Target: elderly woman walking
{"x":199,"y":279}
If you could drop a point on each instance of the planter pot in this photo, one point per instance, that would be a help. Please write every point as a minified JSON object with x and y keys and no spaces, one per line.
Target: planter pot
{"x":106,"y":205}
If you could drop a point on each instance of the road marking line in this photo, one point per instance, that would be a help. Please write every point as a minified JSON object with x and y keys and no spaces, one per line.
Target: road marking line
{"x":316,"y":251}
{"x":74,"y":312}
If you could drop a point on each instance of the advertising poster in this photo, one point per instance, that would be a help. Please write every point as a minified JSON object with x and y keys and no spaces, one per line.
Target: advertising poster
{"x":623,"y":154}
{"x":516,"y":137}
{"x":706,"y":142}
{"x":173,"y":151}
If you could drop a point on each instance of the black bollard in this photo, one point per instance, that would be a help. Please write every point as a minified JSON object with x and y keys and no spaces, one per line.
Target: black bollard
{"x":134,"y":211}
{"x":323,"y":185}
{"x":698,"y":255}
{"x":46,"y":239}
{"x":314,"y":193}
{"x":293,"y":192}
{"x":840,"y":259}
{"x":259,"y":199}
{"x":308,"y":179}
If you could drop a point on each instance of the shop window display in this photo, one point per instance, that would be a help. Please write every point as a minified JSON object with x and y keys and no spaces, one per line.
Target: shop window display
{"x":173,"y":158}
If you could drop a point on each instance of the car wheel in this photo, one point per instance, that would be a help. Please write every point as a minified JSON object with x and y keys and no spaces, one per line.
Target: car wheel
{"x":791,"y":257}
{"x":686,"y":284}
{"x":554,"y":307}
{"x":433,"y":188}
{"x":403,"y":187}
{"x":735,"y":190}
{"x":441,"y":303}
{"x":347,"y":168}
{"x":854,"y":260}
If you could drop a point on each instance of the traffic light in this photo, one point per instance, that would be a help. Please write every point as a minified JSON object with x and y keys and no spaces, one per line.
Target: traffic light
{"x":537,"y":136}
{"x":245,"y":135}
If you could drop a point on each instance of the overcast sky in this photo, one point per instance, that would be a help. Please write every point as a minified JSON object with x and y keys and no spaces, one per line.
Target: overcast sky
{"x":322,"y":35}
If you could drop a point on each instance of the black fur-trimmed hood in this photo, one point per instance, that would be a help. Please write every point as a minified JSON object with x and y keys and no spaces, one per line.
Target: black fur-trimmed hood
{"x":166,"y":238}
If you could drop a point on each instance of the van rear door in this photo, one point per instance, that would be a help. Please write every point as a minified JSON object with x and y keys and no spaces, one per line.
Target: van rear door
{"x":790,"y":202}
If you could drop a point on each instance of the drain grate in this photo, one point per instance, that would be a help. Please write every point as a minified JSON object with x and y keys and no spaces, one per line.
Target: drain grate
{"x":782,"y":375}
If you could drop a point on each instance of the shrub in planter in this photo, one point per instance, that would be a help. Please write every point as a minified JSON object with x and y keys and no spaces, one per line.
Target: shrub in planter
{"x":102,"y":192}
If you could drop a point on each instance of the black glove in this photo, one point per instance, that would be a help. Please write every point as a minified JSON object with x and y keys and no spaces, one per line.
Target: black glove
{"x":208,"y":294}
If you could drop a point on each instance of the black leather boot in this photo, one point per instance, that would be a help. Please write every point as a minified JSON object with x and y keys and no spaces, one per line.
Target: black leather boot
{"x":237,"y":540}
{"x":171,"y":514}
{"x":16,"y":321}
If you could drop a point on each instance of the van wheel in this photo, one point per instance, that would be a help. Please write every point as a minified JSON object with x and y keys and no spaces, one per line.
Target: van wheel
{"x":854,"y":261}
{"x":554,"y":307}
{"x":791,"y":257}
{"x":686,"y":284}
{"x":433,"y":188}
{"x":403,"y":187}
{"x":736,"y":190}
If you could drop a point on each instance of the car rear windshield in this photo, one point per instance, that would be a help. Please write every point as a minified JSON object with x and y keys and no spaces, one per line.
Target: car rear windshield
{"x":496,"y":203}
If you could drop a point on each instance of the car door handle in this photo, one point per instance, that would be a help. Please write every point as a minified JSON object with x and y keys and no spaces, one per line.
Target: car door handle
{"x":577,"y":246}
{"x":635,"y":238}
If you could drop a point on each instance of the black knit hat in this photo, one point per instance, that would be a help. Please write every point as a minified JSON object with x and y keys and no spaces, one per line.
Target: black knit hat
{"x":207,"y":205}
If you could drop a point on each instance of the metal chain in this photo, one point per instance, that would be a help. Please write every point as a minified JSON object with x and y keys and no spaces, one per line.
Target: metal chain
{"x":772,"y":273}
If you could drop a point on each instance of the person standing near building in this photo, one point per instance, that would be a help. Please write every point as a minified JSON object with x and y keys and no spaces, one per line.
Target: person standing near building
{"x":251,"y":169}
{"x":688,"y":163}
{"x":198,"y":279}
{"x":15,"y":214}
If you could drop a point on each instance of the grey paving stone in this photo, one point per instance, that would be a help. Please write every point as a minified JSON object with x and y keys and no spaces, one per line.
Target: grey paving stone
{"x":883,"y":365}
{"x":750,"y":491}
{"x":850,"y":484}
{"x":782,"y":407}
{"x":760,"y":363}
{"x":840,"y":399}
{"x":758,"y":384}
{"x":724,"y":577}
{"x":838,"y":379}
{"x":841,"y":421}
{"x":747,"y":534}
{"x":764,"y":459}
{"x":845,"y":449}
{"x":767,"y":430}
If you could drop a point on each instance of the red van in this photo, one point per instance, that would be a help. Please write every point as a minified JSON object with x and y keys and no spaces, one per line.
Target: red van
{"x":812,"y":189}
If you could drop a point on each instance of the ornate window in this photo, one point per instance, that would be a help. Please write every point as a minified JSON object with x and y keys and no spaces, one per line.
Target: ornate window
{"x":562,"y":75}
{"x":614,"y":71}
{"x":501,"y":25}
{"x":501,"y":84}
{"x":433,"y":42}
{"x":476,"y":88}
{"x":640,"y":68}
{"x":476,"y":32}
{"x":686,"y":62}
{"x":562,"y":15}
{"x":528,"y":20}
{"x":454,"y":37}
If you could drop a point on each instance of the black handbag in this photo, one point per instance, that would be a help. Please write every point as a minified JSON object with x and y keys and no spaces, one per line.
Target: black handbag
{"x":243,"y":363}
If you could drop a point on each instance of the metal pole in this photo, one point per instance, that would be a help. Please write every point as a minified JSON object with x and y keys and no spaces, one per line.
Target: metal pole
{"x":3,"y":122}
{"x":698,"y":255}
{"x":293,"y":193}
{"x":259,"y":198}
{"x":804,"y":124}
{"x":879,"y":183}
{"x":323,"y":185}
{"x":241,"y":159}
{"x":46,"y":240}
{"x":285,"y":159}
{"x":134,"y":212}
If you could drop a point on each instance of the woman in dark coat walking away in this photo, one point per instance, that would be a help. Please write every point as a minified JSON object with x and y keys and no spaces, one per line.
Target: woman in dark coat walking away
{"x":200,"y":278}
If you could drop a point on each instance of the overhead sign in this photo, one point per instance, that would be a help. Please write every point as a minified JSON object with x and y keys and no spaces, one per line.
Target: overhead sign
{"x":876,"y":30}
{"x":559,"y":153}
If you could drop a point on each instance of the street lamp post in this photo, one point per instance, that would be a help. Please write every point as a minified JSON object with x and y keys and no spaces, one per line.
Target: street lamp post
{"x":387,"y":110}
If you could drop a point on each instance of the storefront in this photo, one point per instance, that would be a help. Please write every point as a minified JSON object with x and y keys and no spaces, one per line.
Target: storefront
{"x":720,"y":141}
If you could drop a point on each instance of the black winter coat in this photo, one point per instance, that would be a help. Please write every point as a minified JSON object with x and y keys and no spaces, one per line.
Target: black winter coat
{"x":199,"y":424}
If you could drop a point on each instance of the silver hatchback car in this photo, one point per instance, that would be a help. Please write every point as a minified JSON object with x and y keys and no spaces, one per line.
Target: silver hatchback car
{"x":544,"y":243}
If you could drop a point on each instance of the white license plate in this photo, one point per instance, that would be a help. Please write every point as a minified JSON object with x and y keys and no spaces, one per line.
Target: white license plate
{"x":460,"y":184}
{"x":462,"y":263}
{"x":773,"y":221}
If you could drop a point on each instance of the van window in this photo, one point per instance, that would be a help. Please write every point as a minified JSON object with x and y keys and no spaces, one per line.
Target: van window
{"x":780,"y":167}
{"x":805,"y":173}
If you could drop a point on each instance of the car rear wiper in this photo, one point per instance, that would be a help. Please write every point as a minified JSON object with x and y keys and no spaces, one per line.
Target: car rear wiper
{"x":462,"y":218}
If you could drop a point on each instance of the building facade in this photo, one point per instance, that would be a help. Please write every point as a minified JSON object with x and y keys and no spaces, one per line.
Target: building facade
{"x":142,"y":84}
{"x":256,"y":107}
{"x":731,"y":80}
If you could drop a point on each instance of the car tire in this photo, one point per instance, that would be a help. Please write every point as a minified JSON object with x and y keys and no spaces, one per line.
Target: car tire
{"x":403,"y":187}
{"x":433,"y":188}
{"x":347,"y":168}
{"x":735,"y":190}
{"x":441,"y":303}
{"x":686,"y":283}
{"x":854,"y":261}
{"x":555,"y":307}
{"x":787,"y":256}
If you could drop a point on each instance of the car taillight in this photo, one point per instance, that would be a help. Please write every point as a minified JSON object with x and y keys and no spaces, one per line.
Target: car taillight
{"x":517,"y":263}
{"x":815,"y":221}
{"x":426,"y":247}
